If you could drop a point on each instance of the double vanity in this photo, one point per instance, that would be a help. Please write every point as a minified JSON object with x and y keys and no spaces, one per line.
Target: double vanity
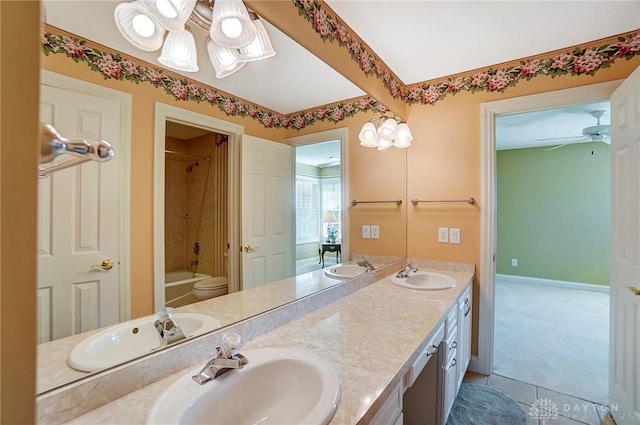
{"x":366,"y":351}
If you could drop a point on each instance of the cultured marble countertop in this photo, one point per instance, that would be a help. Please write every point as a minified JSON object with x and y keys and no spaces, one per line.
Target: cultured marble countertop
{"x":52,"y":367}
{"x":369,"y":337}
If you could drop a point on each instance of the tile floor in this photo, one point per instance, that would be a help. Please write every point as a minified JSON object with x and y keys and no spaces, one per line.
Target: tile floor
{"x":568,"y":410}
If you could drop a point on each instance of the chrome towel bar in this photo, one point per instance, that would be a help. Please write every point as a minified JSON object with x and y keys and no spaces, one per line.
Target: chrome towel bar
{"x":397,"y":202}
{"x":470,"y":201}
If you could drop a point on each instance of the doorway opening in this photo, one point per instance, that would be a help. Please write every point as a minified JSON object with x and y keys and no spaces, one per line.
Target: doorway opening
{"x":320,"y":196}
{"x":196,"y":214}
{"x":484,"y":361}
{"x":220,"y":141}
{"x":552,"y":253}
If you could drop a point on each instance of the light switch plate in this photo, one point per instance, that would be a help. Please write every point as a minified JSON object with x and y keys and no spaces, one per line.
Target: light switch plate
{"x":366,"y":232}
{"x":443,"y":234}
{"x":454,"y":236}
{"x":375,"y":231}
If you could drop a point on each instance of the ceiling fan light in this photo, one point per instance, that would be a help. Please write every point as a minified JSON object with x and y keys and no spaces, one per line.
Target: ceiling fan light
{"x":231,"y":25}
{"x":225,"y":61}
{"x":403,"y":136}
{"x":138,"y":27}
{"x":368,"y":135}
{"x":171,"y":14}
{"x":388,"y":129}
{"x":179,"y":52}
{"x":384,"y":144}
{"x":260,"y":47}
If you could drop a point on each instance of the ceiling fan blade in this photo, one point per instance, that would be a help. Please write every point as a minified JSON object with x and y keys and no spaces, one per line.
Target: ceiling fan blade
{"x":560,"y":138}
{"x":556,"y":147}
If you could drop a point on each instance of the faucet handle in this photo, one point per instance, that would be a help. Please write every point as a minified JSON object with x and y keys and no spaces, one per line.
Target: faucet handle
{"x":231,"y":344}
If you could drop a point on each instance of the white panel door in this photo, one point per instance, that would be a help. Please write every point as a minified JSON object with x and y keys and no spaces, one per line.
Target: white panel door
{"x":78,"y":222}
{"x":624,"y":352}
{"x":267,"y":212}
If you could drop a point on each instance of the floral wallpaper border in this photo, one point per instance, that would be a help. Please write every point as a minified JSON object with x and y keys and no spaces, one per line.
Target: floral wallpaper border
{"x":578,"y":61}
{"x":114,"y":65}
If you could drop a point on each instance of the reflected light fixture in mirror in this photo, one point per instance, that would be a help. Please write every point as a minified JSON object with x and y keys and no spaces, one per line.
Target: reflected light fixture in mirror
{"x":384,"y":132}
{"x":236,"y":35}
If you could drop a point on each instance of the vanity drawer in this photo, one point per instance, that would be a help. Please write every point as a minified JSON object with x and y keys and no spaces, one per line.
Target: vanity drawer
{"x":451,"y":322}
{"x":425,"y":355}
{"x":451,"y":344}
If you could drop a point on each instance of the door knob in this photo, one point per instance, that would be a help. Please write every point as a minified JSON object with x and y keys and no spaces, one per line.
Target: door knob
{"x":634,"y":290}
{"x":105,"y":265}
{"x":249,"y":248}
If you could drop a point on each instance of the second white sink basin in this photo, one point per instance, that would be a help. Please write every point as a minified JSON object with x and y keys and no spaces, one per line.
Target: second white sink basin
{"x":279,"y":386}
{"x":129,"y":340}
{"x":345,"y":271}
{"x":426,"y":281}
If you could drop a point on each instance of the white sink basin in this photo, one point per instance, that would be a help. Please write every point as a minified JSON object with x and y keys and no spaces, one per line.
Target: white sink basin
{"x":345,"y":271}
{"x":279,"y":386}
{"x":129,"y":340}
{"x":426,"y":281}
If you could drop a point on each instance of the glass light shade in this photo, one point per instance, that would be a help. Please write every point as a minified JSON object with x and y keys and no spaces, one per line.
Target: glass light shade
{"x":171,"y":14}
{"x":403,"y":136}
{"x":138,"y":27}
{"x":368,"y":136}
{"x":231,"y":25}
{"x":225,"y":61}
{"x":260,"y":47}
{"x":388,"y":129}
{"x":384,"y":144}
{"x":179,"y":52}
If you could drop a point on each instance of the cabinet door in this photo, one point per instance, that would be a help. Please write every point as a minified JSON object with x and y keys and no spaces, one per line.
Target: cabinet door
{"x":450,"y":385}
{"x":464,"y":334}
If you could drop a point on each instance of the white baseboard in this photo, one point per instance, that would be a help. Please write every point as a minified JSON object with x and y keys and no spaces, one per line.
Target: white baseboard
{"x":554,"y":283}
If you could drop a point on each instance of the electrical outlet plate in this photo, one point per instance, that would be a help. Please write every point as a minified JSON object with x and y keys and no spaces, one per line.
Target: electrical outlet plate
{"x":375,"y":231}
{"x":454,"y":236}
{"x":443,"y":234}
{"x":366,"y":232}
{"x":514,"y":262}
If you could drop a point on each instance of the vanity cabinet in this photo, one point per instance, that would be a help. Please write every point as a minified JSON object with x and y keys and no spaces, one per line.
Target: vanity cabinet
{"x":433,"y":380}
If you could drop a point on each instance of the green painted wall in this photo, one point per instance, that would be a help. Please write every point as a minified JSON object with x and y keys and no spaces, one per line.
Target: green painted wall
{"x":553,"y":213}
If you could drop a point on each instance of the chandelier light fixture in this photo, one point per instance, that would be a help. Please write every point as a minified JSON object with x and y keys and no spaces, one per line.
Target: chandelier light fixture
{"x":384,"y":132}
{"x":236,"y":35}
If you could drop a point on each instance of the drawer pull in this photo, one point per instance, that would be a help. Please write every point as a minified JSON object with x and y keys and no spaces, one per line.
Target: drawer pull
{"x":454,"y":345}
{"x":432,"y":350}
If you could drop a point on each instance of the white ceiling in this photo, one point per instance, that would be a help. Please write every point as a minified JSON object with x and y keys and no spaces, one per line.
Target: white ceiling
{"x":325,"y":154}
{"x":419,"y":41}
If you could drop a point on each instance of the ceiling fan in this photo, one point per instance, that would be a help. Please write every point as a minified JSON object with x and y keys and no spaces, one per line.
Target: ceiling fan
{"x":594,"y":133}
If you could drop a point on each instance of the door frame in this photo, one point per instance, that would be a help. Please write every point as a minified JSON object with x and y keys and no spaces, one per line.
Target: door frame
{"x":163,"y":113}
{"x":341,"y":134}
{"x":63,"y":82}
{"x":483,"y":361}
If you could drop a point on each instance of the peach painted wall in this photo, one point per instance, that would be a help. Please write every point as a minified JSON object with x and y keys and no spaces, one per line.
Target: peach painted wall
{"x":444,"y":163}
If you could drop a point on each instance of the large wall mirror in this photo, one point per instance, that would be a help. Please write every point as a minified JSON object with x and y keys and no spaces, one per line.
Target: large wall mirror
{"x":199,"y":220}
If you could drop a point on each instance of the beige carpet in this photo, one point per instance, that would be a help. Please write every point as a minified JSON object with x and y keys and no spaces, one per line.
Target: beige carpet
{"x":554,"y":338}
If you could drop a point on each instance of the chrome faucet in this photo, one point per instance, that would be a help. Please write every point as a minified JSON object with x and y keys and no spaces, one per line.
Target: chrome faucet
{"x":366,"y":264}
{"x":227,"y":358}
{"x":168,"y":328}
{"x":409,"y":268}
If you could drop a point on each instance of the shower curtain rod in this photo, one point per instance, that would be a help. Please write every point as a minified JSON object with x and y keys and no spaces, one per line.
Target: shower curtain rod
{"x":186,"y":155}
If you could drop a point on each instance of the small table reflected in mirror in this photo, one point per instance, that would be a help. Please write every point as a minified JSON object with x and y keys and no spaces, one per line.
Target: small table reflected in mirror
{"x":329,"y":247}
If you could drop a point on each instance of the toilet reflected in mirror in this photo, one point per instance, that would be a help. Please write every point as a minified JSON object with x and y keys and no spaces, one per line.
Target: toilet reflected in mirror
{"x":196,"y":222}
